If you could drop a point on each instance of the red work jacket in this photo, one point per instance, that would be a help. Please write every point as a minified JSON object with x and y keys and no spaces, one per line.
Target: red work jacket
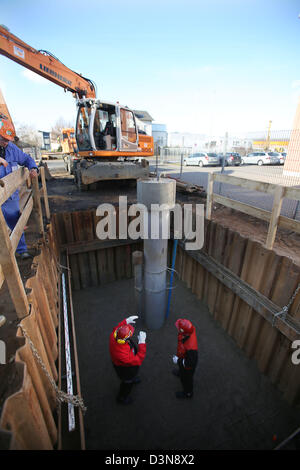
{"x":187,"y":350}
{"x":124,"y":354}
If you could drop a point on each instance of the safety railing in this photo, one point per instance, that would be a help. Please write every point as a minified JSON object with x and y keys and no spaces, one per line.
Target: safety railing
{"x":274,"y":218}
{"x":30,"y":202}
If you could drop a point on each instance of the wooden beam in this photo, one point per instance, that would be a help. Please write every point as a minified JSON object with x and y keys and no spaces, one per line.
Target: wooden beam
{"x":12,"y":182}
{"x":242,"y":207}
{"x":19,"y":228}
{"x":11,"y":272}
{"x":37,"y":205}
{"x":292,"y":193}
{"x":246,"y":183}
{"x":93,"y":245}
{"x":289,"y":224}
{"x":44,"y":192}
{"x":277,"y":203}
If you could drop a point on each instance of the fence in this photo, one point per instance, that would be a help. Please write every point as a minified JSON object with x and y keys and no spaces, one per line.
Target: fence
{"x":274,"y":218}
{"x":30,"y":201}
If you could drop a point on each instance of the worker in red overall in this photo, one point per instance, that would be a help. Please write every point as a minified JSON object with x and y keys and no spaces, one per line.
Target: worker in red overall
{"x":126,"y":356}
{"x":187,"y":356}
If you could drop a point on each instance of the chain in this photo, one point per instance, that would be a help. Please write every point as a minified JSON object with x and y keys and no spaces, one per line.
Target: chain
{"x":285,"y":309}
{"x":61,"y":396}
{"x":293,"y":296}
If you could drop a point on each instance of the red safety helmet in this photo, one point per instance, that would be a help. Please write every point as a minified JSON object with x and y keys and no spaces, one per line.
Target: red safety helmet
{"x":184,"y":326}
{"x":123,"y":333}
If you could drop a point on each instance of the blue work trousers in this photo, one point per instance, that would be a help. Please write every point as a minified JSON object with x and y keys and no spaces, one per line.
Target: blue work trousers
{"x":11,"y":212}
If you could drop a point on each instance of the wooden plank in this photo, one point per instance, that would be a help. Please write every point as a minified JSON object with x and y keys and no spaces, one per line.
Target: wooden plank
{"x":269,"y":335}
{"x":93,"y":245}
{"x":90,"y":235}
{"x":242,"y":207}
{"x":23,"y":415}
{"x":30,"y":324}
{"x":277,"y":204}
{"x":102,"y":265}
{"x":292,"y":193}
{"x":210,"y":195}
{"x":25,"y":354}
{"x":270,"y":268}
{"x":81,"y":257}
{"x":232,"y":259}
{"x":12,"y":182}
{"x":11,"y":271}
{"x":282,"y":221}
{"x":19,"y":228}
{"x":24,"y":198}
{"x":239,"y":307}
{"x":289,"y":224}
{"x":255,"y":275}
{"x":2,"y":278}
{"x":45,"y":194}
{"x":218,"y":255}
{"x":37,"y":205}
{"x":253,"y":185}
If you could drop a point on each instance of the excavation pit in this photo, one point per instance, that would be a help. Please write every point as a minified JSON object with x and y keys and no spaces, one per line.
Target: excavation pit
{"x":246,"y":389}
{"x":234,"y":405}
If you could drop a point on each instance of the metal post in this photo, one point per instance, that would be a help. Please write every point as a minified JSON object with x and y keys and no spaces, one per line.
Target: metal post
{"x":137,"y":262}
{"x":181,"y":162}
{"x":159,"y":198}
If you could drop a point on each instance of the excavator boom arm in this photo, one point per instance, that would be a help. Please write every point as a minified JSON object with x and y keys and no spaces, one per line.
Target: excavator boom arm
{"x":44,"y":64}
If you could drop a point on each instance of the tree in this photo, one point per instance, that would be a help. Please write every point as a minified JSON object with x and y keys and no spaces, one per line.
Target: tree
{"x":28,"y":134}
{"x":60,"y":124}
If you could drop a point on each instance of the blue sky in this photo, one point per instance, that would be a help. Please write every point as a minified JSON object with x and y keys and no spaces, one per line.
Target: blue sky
{"x":199,"y":66}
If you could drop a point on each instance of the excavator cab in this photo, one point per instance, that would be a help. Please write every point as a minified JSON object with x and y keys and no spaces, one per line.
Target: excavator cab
{"x":105,"y":127}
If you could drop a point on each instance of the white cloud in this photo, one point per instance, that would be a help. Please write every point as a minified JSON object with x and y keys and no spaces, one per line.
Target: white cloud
{"x":33,"y":77}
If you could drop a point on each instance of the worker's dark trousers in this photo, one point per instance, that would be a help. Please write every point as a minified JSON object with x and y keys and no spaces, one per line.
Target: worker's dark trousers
{"x":127,"y":376}
{"x":125,"y":389}
{"x":187,"y":379}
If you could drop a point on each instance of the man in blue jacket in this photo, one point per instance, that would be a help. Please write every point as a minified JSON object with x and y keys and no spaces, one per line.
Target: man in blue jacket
{"x":10,"y":158}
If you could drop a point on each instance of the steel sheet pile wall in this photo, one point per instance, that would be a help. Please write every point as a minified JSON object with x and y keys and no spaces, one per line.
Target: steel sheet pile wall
{"x":27,"y":414}
{"x":92,"y":261}
{"x":274,"y":276}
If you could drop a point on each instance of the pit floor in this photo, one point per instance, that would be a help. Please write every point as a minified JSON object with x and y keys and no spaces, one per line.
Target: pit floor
{"x":234,"y":405}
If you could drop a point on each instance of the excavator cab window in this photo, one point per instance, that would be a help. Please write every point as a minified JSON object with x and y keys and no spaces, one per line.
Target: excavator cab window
{"x":128,"y":127}
{"x":105,"y":127}
{"x":82,"y":128}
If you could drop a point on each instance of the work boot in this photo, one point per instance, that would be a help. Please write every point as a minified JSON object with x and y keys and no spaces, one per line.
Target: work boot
{"x":181,"y":395}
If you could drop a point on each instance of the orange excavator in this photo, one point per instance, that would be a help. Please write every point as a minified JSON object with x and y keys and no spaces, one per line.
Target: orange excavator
{"x":109,"y":144}
{"x":6,"y":123}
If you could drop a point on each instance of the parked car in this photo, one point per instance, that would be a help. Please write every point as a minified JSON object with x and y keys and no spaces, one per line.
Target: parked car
{"x":282,"y":157}
{"x":231,"y":158}
{"x":260,"y":158}
{"x":276,"y":155}
{"x":201,"y":159}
